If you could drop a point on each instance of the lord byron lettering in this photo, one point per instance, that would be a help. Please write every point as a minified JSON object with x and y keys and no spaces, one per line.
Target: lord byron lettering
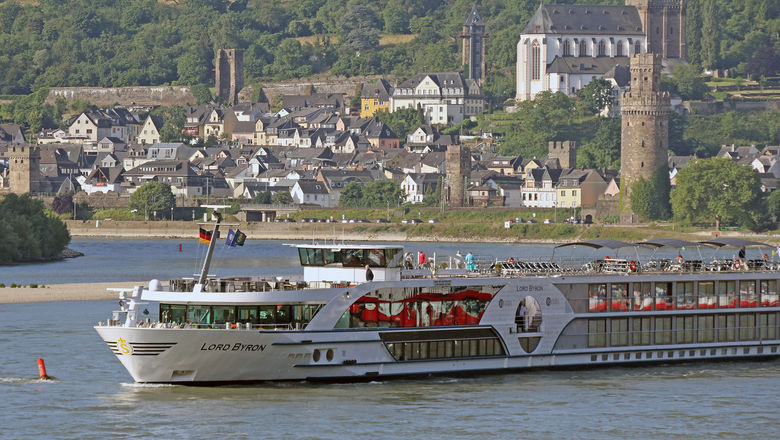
{"x":232,"y":347}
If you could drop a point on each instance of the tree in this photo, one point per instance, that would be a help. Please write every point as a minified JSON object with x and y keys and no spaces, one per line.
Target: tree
{"x":62,"y":204}
{"x":718,"y":189}
{"x":281,"y":198}
{"x":175,"y":117}
{"x":650,"y":199}
{"x":381,"y":193}
{"x":396,"y":19}
{"x":360,"y":27}
{"x":202,"y":93}
{"x":597,"y":95}
{"x":352,"y":194}
{"x":153,"y":197}
{"x":262,"y":198}
{"x":688,"y":82}
{"x":773,"y":205}
{"x":402,"y":121}
{"x":602,"y":150}
{"x":29,"y":232}
{"x":536,"y":123}
{"x":764,"y":63}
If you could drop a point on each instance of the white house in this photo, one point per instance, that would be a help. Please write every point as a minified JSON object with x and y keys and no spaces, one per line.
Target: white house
{"x":446,"y":98}
{"x":416,"y":185}
{"x":311,"y":192}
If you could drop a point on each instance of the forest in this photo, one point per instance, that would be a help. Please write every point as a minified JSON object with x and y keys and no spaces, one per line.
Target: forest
{"x":48,"y":43}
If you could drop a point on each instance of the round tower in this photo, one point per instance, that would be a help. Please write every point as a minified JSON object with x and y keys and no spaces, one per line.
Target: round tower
{"x":645,"y":125}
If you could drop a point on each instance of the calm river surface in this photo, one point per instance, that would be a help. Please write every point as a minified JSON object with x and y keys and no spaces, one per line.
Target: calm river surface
{"x":93,"y":396}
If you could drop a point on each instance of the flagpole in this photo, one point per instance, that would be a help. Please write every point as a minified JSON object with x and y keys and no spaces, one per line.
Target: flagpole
{"x":212,"y":242}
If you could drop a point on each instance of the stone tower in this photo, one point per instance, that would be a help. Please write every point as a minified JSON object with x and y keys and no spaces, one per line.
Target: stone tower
{"x":664,"y":25}
{"x":458,"y":161}
{"x":644,"y":136}
{"x":474,"y":46}
{"x":24,"y":162}
{"x":230,"y":74}
{"x":565,"y":152}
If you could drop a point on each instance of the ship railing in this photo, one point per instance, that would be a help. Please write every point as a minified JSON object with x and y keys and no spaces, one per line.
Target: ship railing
{"x":222,"y":325}
{"x":227,"y":285}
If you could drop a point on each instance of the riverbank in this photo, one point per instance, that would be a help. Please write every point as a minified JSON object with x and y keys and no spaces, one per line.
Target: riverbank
{"x":461,"y":232}
{"x":63,"y":292}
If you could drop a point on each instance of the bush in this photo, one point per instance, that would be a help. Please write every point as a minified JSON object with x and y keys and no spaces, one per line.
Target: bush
{"x":33,"y":286}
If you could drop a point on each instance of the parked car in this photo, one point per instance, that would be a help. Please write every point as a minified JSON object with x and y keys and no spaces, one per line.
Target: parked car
{"x":382,"y":220}
{"x":433,"y":220}
{"x":531,"y":221}
{"x":411,"y":221}
{"x":547,"y":221}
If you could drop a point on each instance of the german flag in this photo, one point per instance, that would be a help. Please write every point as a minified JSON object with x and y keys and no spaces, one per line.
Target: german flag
{"x":205,"y":236}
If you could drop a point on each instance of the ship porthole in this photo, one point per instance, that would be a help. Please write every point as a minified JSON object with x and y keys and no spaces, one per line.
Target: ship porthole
{"x":329,"y":355}
{"x":528,"y":316}
{"x":316,"y":356}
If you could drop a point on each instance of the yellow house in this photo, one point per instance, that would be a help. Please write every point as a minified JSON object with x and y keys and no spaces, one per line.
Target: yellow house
{"x":374,"y":97}
{"x":569,"y":189}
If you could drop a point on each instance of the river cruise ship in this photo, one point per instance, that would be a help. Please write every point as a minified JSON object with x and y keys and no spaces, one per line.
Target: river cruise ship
{"x":331,"y":324}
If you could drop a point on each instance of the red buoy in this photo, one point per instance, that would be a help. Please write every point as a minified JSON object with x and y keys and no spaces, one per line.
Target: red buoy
{"x":179,"y":247}
{"x":42,"y":369}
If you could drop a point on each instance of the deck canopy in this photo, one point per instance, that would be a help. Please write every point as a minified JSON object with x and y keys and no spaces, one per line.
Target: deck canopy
{"x":734,"y":242}
{"x":671,"y":242}
{"x":598,"y":243}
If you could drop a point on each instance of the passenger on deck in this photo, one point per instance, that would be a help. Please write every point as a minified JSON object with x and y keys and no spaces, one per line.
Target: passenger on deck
{"x":422,"y":259}
{"x":369,"y":274}
{"x":470,"y":262}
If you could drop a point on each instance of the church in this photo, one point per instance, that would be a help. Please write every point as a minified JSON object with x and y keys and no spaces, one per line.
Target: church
{"x":564,"y":47}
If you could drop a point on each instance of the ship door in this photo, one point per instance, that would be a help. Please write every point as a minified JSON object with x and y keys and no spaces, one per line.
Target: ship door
{"x":528,"y":316}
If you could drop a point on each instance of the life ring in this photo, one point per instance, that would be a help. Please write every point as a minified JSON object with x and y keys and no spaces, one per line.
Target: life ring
{"x":737,"y":264}
{"x":766,"y":257}
{"x":632,"y":266}
{"x":679,"y":259}
{"x":512,"y":260}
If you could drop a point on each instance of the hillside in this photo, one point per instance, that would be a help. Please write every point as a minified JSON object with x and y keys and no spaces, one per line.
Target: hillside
{"x":148,"y":42}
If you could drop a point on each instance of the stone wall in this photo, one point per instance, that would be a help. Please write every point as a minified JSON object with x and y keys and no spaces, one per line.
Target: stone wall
{"x":137,"y":95}
{"x":323,"y":84}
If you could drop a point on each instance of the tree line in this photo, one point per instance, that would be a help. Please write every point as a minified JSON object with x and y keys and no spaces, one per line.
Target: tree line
{"x":29,"y":231}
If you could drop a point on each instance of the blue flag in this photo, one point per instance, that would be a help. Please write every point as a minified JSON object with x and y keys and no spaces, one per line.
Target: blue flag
{"x":231,"y":238}
{"x":240,"y":238}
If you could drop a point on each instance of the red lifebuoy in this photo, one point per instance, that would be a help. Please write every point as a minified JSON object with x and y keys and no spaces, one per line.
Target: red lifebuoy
{"x":766,"y":257}
{"x":737,"y":264}
{"x":632,"y":266}
{"x":679,"y":259}
{"x":511,"y":260}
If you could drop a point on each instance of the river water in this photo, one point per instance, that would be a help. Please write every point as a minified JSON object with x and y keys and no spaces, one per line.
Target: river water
{"x":93,"y":396}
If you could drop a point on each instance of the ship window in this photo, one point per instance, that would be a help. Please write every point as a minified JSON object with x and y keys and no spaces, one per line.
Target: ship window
{"x":247,"y":314}
{"x":707,"y":298}
{"x":199,"y":315}
{"x":706,"y":328}
{"x":663,"y":296}
{"x":643,"y":299}
{"x":597,"y":333}
{"x":419,"y":307}
{"x":686,"y":299}
{"x":223,"y":314}
{"x":597,"y":297}
{"x":641,"y":332}
{"x":685,"y":329}
{"x":767,"y":326}
{"x":747,"y":294}
{"x":620,"y":301}
{"x":173,"y":313}
{"x":618,"y":335}
{"x":768,"y":293}
{"x":726,"y":328}
{"x":663,"y":330}
{"x":727,"y":294}
{"x":747,"y":327}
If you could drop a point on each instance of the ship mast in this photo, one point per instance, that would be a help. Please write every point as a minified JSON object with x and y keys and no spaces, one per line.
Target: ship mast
{"x":207,"y":262}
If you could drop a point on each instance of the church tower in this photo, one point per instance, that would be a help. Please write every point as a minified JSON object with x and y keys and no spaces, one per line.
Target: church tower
{"x":24,"y":162}
{"x":474,"y":46}
{"x":230,"y":74}
{"x":664,"y":24}
{"x":644,"y":136}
